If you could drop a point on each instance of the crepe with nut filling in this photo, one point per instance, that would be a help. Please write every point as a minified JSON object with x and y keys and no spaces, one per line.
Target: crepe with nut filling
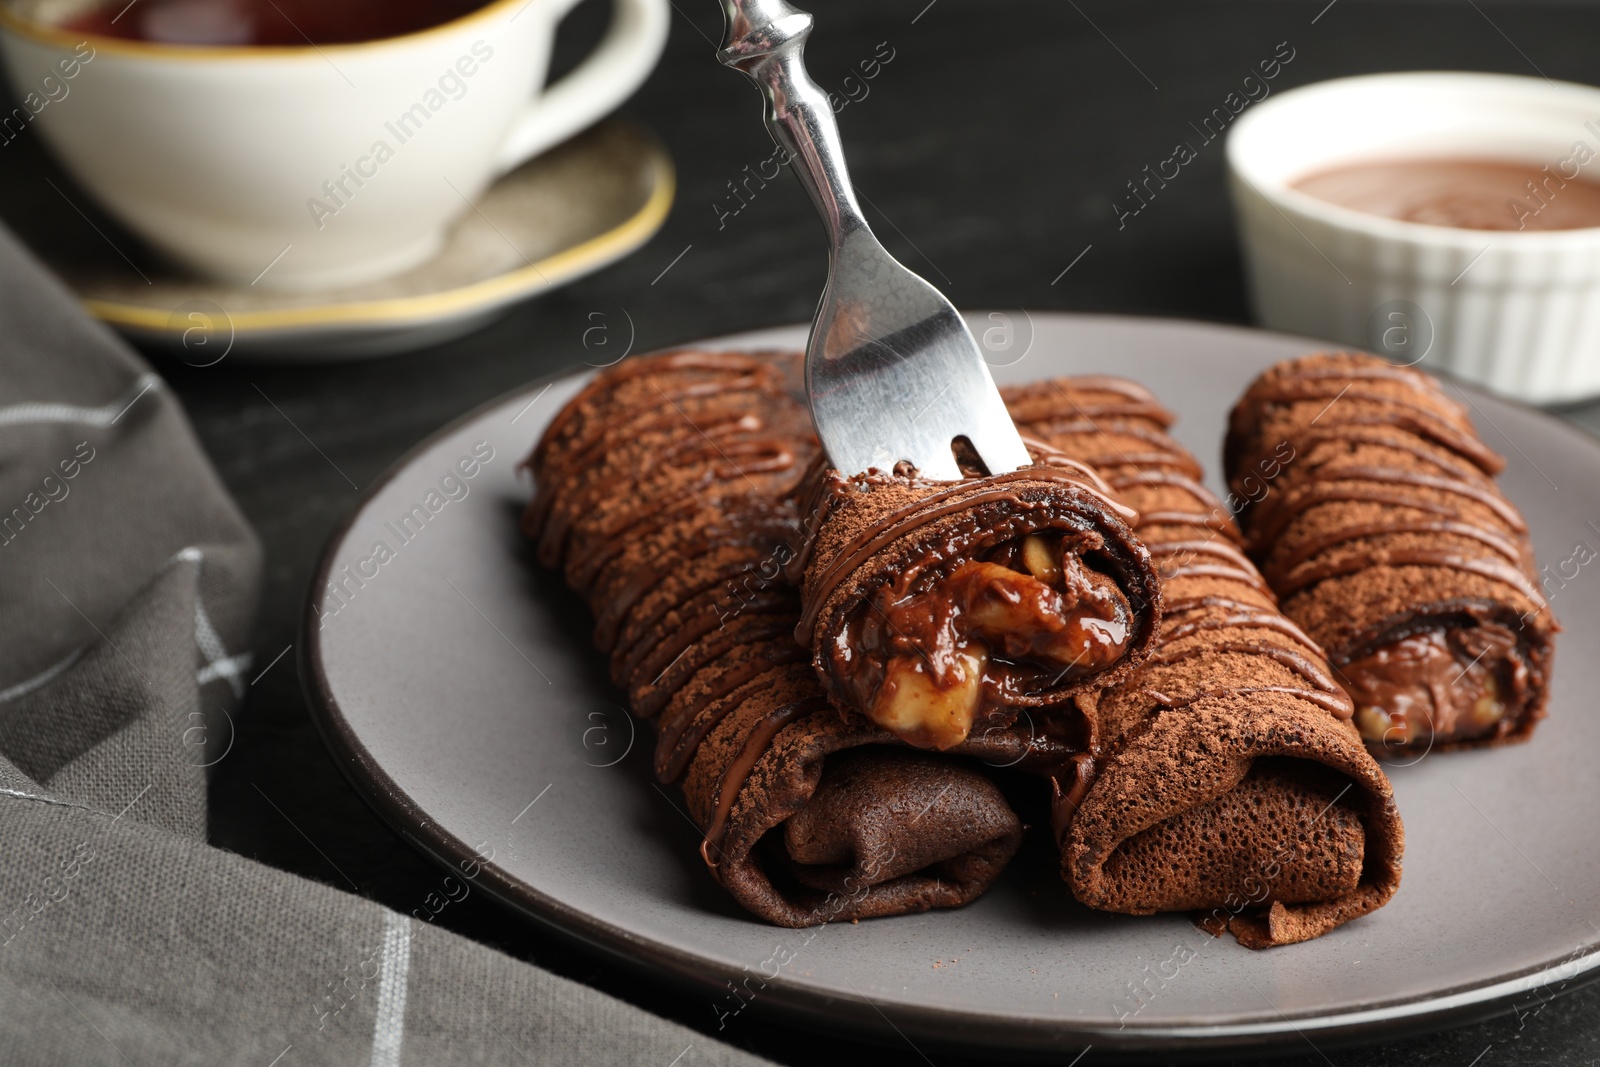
{"x":1225,"y":776}
{"x":1385,"y":536}
{"x":665,"y":494}
{"x":936,"y":608}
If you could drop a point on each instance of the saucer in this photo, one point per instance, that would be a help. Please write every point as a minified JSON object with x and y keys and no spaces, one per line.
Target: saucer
{"x":579,"y":207}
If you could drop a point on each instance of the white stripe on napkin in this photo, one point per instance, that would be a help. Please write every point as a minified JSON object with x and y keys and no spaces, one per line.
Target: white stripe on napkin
{"x":42,"y":678}
{"x":105,"y":415}
{"x":389,"y":1027}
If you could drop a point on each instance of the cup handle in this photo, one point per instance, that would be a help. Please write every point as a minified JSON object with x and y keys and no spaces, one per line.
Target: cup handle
{"x":628,"y":53}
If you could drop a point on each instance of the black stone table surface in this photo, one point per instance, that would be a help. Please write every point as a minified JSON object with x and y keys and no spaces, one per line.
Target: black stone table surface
{"x":989,"y":149}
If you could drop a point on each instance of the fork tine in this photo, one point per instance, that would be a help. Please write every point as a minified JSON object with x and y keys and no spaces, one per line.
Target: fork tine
{"x":994,"y":436}
{"x":892,"y":370}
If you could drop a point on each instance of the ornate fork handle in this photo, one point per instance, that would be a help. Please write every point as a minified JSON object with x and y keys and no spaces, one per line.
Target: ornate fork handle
{"x":766,"y":39}
{"x":892,"y":372}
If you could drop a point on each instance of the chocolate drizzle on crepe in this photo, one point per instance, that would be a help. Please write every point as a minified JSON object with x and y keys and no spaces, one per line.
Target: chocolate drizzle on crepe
{"x":1208,"y":786}
{"x":666,"y":493}
{"x":671,"y":492}
{"x":925,"y":614}
{"x":1384,"y":526}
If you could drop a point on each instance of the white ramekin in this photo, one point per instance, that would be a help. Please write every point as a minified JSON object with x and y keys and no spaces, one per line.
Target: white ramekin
{"x":1517,"y":311}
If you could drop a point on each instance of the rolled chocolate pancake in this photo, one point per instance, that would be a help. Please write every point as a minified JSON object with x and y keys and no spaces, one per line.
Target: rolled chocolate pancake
{"x":664,"y":491}
{"x":811,"y":816}
{"x":655,"y":445}
{"x":937,"y":608}
{"x":1370,"y":504}
{"x":1224,"y":775}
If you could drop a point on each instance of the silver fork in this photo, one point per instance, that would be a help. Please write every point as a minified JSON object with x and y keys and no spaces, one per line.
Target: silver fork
{"x":892,"y":370}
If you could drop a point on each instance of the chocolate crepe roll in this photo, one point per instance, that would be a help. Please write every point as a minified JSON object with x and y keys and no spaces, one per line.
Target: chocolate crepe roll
{"x":811,"y":816}
{"x":665,"y":492}
{"x":935,"y":607}
{"x":660,"y":488}
{"x":1370,"y":504}
{"x":681,"y":433}
{"x":1225,"y":776}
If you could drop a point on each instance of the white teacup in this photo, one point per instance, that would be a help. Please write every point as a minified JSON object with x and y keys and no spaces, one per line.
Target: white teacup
{"x":309,"y":167}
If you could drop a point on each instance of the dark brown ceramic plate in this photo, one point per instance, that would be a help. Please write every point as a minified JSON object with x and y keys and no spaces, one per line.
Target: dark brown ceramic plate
{"x":454,"y":682}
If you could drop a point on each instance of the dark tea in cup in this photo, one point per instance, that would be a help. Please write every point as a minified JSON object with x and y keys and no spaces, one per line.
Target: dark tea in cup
{"x":267,"y":22}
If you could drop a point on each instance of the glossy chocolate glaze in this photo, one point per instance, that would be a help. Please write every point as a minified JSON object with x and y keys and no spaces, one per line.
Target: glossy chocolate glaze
{"x":954,"y":497}
{"x":1080,"y":625}
{"x":924,"y":617}
{"x":1455,"y":685}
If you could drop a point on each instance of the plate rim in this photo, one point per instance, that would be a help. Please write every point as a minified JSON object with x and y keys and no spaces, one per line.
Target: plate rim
{"x":860,"y":1017}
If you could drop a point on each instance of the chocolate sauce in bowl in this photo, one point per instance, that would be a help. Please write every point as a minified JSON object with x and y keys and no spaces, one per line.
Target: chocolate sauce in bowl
{"x":1471,"y":194}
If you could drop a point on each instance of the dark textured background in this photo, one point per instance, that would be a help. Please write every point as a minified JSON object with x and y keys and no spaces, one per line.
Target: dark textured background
{"x":988,"y":153}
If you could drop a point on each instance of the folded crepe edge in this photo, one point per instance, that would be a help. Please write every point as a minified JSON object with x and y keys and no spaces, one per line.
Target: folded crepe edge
{"x":1187,"y":758}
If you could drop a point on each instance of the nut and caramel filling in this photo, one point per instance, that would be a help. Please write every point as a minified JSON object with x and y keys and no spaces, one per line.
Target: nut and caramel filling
{"x":979,"y":639}
{"x":1440,"y":686}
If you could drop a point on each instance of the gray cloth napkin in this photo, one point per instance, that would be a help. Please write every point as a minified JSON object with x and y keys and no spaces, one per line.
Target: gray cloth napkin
{"x":128,"y":582}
